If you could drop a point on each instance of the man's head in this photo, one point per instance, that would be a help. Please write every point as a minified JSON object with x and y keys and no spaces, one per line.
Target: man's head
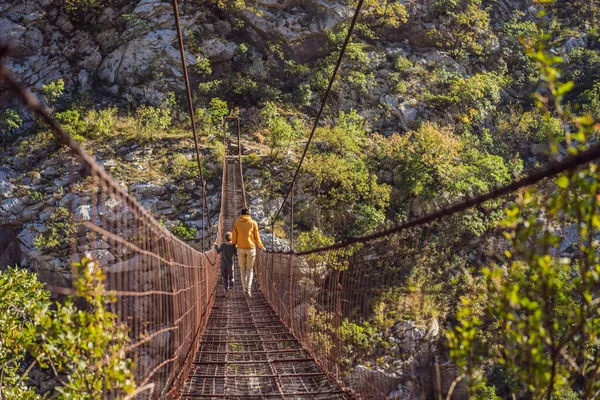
{"x":228,"y":236}
{"x":245,"y":211}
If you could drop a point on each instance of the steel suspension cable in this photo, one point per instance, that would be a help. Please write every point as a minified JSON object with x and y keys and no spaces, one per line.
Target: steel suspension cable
{"x":548,"y":171}
{"x":323,"y":103}
{"x":193,"y":122}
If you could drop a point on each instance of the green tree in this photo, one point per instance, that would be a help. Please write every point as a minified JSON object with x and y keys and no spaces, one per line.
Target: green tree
{"x":59,"y":234}
{"x":279,"y":131}
{"x":343,"y":186}
{"x":84,"y":347}
{"x":9,"y":120}
{"x":150,"y":120}
{"x":22,"y":296}
{"x":542,"y":304}
{"x":183,"y":232}
{"x":88,"y":345}
{"x":384,"y":13}
{"x":53,"y":91}
{"x":465,"y":31}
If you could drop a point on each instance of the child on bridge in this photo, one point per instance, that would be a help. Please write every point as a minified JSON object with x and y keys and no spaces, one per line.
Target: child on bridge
{"x":228,"y":249}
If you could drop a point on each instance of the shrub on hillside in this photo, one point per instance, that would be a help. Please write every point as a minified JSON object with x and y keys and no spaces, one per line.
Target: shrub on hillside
{"x":85,"y":347}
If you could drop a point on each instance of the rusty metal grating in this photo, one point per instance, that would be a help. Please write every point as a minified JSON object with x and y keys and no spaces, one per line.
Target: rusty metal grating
{"x":242,"y":355}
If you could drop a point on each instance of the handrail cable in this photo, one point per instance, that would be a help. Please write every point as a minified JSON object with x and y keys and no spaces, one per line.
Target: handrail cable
{"x":551,"y":169}
{"x":193,"y":122}
{"x":323,"y":103}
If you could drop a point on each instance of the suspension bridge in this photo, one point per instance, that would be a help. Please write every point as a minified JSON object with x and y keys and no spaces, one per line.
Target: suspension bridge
{"x":289,"y":340}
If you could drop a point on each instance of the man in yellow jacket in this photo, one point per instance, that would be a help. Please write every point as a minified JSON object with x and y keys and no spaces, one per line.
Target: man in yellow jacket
{"x":246,"y":237}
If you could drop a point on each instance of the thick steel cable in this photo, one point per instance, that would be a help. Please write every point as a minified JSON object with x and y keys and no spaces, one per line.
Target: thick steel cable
{"x":550,"y":170}
{"x":323,"y":103}
{"x":192,"y":120}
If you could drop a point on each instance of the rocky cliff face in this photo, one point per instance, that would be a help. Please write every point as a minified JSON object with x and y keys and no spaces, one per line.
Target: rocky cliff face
{"x":129,"y":48}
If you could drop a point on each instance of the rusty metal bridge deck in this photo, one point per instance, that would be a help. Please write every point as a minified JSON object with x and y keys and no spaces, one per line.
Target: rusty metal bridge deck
{"x":246,"y":351}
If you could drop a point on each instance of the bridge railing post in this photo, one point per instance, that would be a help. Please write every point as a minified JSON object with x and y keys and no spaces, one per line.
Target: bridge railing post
{"x":291,"y":261}
{"x":291,"y":291}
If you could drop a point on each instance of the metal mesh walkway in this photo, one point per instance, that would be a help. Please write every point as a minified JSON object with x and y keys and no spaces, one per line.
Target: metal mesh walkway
{"x":245,"y":351}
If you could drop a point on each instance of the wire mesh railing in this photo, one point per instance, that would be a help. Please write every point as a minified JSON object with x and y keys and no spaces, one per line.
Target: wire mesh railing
{"x":164,"y":289}
{"x":333,"y":302}
{"x":368,"y":309}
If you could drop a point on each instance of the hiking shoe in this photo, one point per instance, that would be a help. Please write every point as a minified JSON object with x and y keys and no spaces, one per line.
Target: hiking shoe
{"x":228,"y":293}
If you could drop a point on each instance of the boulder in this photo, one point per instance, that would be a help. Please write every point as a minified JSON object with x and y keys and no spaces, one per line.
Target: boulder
{"x":218,"y":51}
{"x":574,"y":43}
{"x":6,"y":188}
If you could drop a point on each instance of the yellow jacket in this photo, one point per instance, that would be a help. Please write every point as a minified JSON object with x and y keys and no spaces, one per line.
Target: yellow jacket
{"x":245,"y":233}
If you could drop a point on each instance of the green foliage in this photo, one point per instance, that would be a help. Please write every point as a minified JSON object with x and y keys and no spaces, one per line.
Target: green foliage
{"x":136,"y":23}
{"x":182,"y":167}
{"x":401,"y":87}
{"x":202,"y":66}
{"x":518,"y":129}
{"x":473,"y":98}
{"x":485,"y":392}
{"x":347,"y":136}
{"x":9,"y":120}
{"x":53,"y":91}
{"x":21,"y":297}
{"x":584,"y":68}
{"x":59,"y":234}
{"x":303,"y":95}
{"x":579,"y":13}
{"x":368,"y":219}
{"x":231,"y":6}
{"x":359,"y":76}
{"x":251,"y":160}
{"x":211,"y":118}
{"x":217,"y":110}
{"x":35,"y":196}
{"x":385,"y":13}
{"x":100,"y":123}
{"x":88,"y":345}
{"x":97,"y":124}
{"x":543,"y":305}
{"x":433,"y":162}
{"x":280,"y":132}
{"x":209,"y":87}
{"x":446,"y":6}
{"x":85,"y":346}
{"x":81,"y":6}
{"x":340,"y":185}
{"x":515,"y":32}
{"x":218,"y":150}
{"x":183,"y":232}
{"x":150,"y":119}
{"x":465,"y":31}
{"x":593,"y":106}
{"x":322,"y":331}
{"x":358,"y":341}
{"x":313,"y":239}
{"x":404,"y":66}
{"x":72,"y":123}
